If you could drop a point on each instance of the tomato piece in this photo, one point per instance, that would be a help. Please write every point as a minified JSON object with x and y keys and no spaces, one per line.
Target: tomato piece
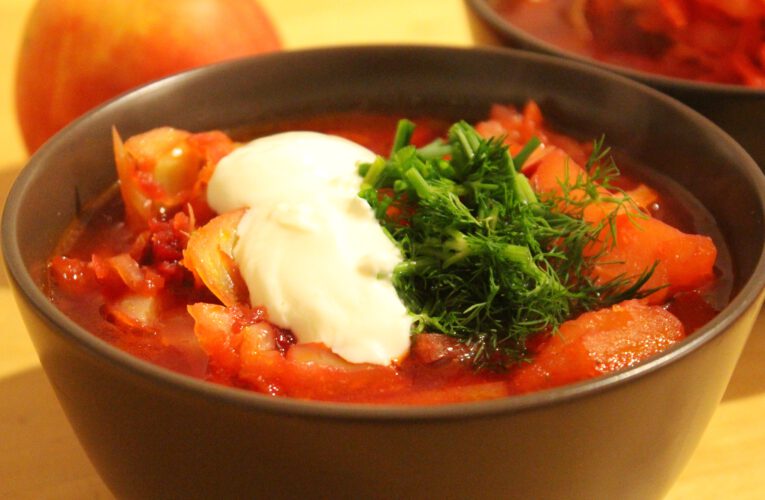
{"x":599,"y":342}
{"x":72,"y":275}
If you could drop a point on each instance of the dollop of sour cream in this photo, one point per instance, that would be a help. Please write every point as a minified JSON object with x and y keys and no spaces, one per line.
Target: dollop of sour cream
{"x":309,"y":249}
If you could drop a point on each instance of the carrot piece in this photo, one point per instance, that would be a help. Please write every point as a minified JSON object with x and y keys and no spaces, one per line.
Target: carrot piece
{"x":555,"y":170}
{"x":215,"y":330}
{"x":685,"y":261}
{"x":599,"y":342}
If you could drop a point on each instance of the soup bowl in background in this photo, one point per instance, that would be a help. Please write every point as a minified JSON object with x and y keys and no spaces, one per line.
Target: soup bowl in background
{"x":152,"y":433}
{"x":738,"y":109}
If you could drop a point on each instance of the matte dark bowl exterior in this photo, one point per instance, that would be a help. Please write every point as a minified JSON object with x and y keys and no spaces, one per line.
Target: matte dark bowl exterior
{"x":155,"y":434}
{"x":738,"y":109}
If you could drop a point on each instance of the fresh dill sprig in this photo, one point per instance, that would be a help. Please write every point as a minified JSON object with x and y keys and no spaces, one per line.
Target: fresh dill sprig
{"x":485,"y":260}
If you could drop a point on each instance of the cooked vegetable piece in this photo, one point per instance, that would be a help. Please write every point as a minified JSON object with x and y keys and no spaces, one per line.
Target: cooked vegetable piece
{"x":519,"y":127}
{"x":438,"y":348}
{"x":480,"y":391}
{"x":224,"y":332}
{"x":683,"y":261}
{"x":598,"y":342}
{"x":134,"y":311}
{"x":137,"y":278}
{"x":155,"y":169}
{"x":312,"y":371}
{"x":74,"y":276}
{"x":212,"y":146}
{"x":214,"y":328}
{"x":633,"y":241}
{"x":209,"y":255}
{"x":165,"y":168}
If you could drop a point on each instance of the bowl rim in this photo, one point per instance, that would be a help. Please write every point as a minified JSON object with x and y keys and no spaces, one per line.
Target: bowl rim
{"x":164,"y":379}
{"x":509,"y":31}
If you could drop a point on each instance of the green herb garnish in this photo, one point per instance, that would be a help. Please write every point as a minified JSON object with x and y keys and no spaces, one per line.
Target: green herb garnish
{"x":485,"y":260}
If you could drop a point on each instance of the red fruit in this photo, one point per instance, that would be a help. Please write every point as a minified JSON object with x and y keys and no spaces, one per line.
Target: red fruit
{"x":77,"y":54}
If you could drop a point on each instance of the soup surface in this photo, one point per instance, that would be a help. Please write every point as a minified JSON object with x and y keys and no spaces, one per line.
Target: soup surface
{"x":154,"y":270}
{"x":705,"y":40}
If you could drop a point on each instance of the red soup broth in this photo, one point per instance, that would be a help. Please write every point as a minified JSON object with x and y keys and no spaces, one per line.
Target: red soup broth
{"x":703,"y":40}
{"x":437,"y":369}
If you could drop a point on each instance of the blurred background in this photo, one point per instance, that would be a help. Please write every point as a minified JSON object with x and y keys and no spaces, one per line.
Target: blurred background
{"x":299,"y":24}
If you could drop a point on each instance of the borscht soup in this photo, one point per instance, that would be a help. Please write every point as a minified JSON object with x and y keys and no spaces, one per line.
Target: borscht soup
{"x":720,"y":41}
{"x":373,"y":259}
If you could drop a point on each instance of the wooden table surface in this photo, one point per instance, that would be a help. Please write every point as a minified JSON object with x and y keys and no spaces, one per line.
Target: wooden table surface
{"x":39,"y":455}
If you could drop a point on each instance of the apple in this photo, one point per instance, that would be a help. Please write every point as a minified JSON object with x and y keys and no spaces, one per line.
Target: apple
{"x":77,"y":54}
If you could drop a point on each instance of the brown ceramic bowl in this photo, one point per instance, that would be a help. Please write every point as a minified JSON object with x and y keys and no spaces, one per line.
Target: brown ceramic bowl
{"x":738,"y":109}
{"x":152,"y":433}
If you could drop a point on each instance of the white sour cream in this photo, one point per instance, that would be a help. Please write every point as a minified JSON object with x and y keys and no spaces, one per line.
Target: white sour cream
{"x":309,"y":248}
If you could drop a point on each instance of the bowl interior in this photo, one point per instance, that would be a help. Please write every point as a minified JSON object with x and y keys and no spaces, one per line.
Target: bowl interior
{"x":77,"y":165}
